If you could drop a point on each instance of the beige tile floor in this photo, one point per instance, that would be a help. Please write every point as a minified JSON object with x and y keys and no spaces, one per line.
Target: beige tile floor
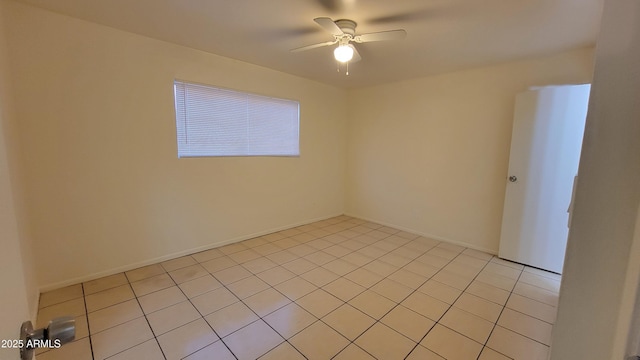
{"x":341,"y":288}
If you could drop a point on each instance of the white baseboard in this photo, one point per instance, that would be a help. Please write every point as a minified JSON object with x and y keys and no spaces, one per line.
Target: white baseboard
{"x":432,"y":236}
{"x":97,"y":275}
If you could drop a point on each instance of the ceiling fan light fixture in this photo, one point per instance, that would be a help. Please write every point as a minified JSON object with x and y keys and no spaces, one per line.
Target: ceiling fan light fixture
{"x":344,"y":34}
{"x":343,"y":53}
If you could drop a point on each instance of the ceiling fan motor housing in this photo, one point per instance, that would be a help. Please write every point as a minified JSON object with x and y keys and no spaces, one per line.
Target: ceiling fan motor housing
{"x":347,"y":26}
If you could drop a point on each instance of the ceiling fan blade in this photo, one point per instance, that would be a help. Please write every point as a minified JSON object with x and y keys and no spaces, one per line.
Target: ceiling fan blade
{"x":381,"y":36}
{"x":329,"y":25}
{"x":356,"y":54}
{"x":309,"y":47}
{"x":416,"y":15}
{"x":331,"y":5}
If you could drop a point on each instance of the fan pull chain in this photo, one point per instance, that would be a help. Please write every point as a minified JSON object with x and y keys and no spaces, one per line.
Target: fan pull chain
{"x":338,"y":69}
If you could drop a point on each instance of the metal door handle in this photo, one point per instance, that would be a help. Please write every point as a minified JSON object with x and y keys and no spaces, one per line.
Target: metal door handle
{"x":513,"y":178}
{"x":59,"y":331}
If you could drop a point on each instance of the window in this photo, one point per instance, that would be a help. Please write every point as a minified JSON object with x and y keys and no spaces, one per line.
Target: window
{"x":220,"y":122}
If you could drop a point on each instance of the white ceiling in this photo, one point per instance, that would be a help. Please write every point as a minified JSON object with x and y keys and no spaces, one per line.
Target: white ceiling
{"x":443,"y":35}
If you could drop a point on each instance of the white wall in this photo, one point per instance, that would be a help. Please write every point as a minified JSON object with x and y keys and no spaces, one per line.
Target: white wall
{"x":18,"y":291}
{"x":430,"y":155}
{"x":596,"y":298}
{"x":97,"y":125}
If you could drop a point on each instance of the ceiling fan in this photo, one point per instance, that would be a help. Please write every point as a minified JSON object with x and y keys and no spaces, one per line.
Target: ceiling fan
{"x":344,"y":33}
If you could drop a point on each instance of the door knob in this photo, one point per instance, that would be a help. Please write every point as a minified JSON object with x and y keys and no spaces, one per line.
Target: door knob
{"x":513,"y":178}
{"x":59,"y":331}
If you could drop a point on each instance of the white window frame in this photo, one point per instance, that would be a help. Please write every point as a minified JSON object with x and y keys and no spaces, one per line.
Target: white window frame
{"x":217,"y":122}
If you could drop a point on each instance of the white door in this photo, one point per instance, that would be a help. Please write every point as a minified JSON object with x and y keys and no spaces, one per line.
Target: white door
{"x":545,"y":151}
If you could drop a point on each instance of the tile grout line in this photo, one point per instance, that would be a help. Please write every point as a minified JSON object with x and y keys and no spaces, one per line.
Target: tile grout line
{"x":387,"y":277}
{"x":86,"y":314}
{"x":531,"y":316}
{"x":524,"y":296}
{"x":223,"y":285}
{"x":205,"y":320}
{"x":273,"y":287}
{"x":294,"y":301}
{"x":498,"y":319}
{"x":128,"y":321}
{"x":450,"y":306}
{"x":352,"y":342}
{"x":145,"y":318}
{"x":262,"y":317}
{"x":383,"y":278}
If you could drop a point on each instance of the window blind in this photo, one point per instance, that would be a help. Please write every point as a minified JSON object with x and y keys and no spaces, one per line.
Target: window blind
{"x":220,"y":122}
